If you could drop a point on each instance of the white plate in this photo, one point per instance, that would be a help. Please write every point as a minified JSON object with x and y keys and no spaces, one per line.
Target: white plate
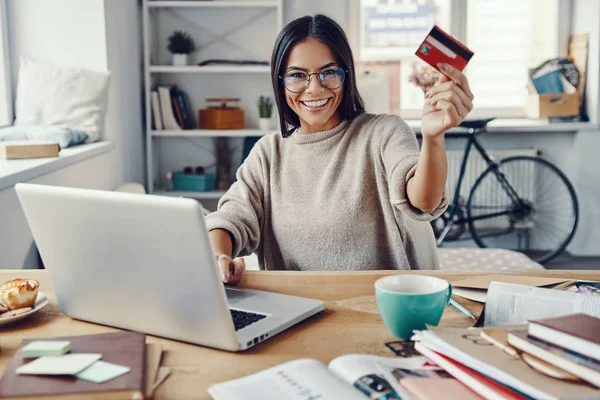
{"x":40,"y":302}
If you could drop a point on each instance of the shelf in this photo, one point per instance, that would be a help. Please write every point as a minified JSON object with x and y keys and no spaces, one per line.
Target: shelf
{"x":211,"y":133}
{"x":214,"y":195}
{"x":214,"y":3}
{"x":195,"y":69}
{"x":506,"y":125}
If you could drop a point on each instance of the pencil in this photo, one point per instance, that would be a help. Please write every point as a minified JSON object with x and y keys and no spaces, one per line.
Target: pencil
{"x":461,"y":309}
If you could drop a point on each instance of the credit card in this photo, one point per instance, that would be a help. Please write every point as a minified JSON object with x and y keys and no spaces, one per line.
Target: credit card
{"x":440,"y":47}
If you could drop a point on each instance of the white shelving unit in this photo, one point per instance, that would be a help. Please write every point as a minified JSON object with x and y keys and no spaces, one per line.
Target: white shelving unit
{"x":213,"y":3}
{"x":210,"y":69}
{"x":209,"y":133}
{"x":155,"y":71}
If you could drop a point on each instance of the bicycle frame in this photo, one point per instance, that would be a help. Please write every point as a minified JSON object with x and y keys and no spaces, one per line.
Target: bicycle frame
{"x":472,"y":140}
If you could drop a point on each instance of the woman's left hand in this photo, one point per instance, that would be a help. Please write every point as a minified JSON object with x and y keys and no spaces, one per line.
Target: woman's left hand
{"x":447,"y":103}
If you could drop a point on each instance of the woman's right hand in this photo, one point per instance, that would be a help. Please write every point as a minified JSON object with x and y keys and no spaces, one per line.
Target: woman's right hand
{"x":231,"y":270}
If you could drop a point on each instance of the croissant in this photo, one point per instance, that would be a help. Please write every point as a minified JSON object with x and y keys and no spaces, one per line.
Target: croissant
{"x":18,"y":293}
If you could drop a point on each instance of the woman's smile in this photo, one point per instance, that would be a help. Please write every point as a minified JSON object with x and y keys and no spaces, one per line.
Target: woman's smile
{"x":316,"y":105}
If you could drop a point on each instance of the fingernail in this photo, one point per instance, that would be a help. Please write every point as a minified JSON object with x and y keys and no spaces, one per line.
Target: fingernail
{"x":225,"y":277}
{"x":442,"y":66}
{"x":428,"y":95}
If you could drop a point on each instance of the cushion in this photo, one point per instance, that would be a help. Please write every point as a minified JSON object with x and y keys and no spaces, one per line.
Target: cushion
{"x":468,"y":259}
{"x":49,"y":94}
{"x":61,"y":134}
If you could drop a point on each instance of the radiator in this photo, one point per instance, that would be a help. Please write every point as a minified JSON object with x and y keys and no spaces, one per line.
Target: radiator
{"x":490,"y":194}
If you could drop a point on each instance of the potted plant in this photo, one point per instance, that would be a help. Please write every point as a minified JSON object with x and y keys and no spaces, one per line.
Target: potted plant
{"x":180,"y":45}
{"x":265,"y":109}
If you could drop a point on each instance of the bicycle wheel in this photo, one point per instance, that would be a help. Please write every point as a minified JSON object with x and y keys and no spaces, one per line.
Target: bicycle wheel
{"x":527,"y":204}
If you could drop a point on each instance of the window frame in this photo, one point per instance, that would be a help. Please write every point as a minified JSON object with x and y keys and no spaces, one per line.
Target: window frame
{"x":458,"y":29}
{"x":6,"y":96}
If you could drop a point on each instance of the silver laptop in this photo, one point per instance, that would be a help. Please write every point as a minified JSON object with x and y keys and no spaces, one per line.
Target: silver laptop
{"x":144,"y":263}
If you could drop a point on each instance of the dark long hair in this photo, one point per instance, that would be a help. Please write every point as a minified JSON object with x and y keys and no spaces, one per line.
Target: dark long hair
{"x":328,"y":32}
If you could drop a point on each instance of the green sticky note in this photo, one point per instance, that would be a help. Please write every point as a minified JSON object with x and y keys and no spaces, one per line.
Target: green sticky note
{"x":69,"y":364}
{"x":40,"y":348}
{"x":102,"y":371}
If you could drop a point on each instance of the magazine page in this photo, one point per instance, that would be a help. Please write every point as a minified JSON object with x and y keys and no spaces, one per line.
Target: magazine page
{"x":378,"y":377}
{"x":515,"y":304}
{"x":304,"y":379}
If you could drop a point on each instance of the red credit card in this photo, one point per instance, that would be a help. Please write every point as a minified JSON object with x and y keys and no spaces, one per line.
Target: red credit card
{"x":439,"y":47}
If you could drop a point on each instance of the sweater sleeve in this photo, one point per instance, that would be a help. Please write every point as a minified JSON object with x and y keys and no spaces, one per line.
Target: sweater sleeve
{"x":240,"y":210}
{"x":400,"y":155}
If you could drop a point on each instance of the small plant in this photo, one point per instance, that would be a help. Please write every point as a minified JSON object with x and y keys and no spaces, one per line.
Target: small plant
{"x":181,"y":43}
{"x":265,"y":106}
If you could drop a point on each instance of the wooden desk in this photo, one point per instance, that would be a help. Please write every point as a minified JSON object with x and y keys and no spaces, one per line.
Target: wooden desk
{"x":349,"y":324}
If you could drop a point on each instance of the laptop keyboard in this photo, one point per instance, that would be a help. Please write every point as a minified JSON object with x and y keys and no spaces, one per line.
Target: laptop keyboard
{"x":242,"y":319}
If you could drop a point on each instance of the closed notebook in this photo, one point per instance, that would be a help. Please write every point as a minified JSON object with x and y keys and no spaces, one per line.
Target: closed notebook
{"x":579,"y":365}
{"x":122,"y":348}
{"x":438,"y":388}
{"x":575,"y":332}
{"x":17,"y":150}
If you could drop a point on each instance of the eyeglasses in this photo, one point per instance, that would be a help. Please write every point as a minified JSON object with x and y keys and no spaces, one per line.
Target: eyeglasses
{"x":297,"y":81}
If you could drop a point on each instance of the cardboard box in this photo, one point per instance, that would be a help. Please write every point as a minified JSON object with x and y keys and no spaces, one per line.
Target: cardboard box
{"x":553,"y":105}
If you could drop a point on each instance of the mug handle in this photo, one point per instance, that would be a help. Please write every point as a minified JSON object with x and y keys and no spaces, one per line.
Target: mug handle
{"x":449,"y":293}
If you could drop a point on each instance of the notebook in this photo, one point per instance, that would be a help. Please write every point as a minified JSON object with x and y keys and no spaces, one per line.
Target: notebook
{"x":575,"y":332}
{"x":438,"y":388}
{"x":122,"y":348}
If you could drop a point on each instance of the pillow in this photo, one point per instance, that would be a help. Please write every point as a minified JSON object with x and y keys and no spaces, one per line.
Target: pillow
{"x":49,"y":94}
{"x":54,"y":133}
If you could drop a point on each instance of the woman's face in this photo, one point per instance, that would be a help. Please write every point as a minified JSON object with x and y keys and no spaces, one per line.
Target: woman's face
{"x":316,"y":106}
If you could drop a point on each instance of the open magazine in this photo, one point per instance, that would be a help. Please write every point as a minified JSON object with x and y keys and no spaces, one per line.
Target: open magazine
{"x":348,"y":377}
{"x":510,"y":304}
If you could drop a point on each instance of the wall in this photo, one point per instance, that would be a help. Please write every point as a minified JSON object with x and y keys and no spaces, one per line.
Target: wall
{"x":586,"y":17}
{"x":124,"y":121}
{"x":335,"y":9}
{"x":66,"y":32}
{"x":19,"y":251}
{"x":95,"y":34}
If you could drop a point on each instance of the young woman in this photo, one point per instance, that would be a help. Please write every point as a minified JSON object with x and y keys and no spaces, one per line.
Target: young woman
{"x":331,"y":190}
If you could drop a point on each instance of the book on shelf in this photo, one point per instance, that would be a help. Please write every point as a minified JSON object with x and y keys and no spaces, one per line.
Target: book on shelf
{"x":171,"y":109}
{"x":156,"y":114}
{"x":577,"y":364}
{"x":165,"y":93}
{"x":18,"y":150}
{"x":177,"y":110}
{"x":184,"y":107}
{"x":349,"y":377}
{"x":122,"y":348}
{"x":576,"y":332}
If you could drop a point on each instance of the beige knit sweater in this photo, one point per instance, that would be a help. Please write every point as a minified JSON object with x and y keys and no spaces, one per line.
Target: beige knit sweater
{"x":327,"y":200}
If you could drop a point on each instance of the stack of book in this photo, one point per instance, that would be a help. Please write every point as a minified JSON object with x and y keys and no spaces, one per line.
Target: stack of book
{"x":551,"y":358}
{"x":570,"y":343}
{"x":171,"y":109}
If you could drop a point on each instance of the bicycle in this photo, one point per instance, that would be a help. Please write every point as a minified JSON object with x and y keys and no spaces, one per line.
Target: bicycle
{"x":536,"y":218}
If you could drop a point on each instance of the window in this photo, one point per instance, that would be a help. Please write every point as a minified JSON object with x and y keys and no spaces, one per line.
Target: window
{"x":507,"y":36}
{"x":6,"y":108}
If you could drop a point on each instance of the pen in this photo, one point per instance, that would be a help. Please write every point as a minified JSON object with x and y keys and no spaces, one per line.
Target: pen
{"x":462,"y":309}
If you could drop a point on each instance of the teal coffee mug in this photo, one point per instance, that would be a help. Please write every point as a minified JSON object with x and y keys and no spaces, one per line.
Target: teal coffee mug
{"x":409,"y":302}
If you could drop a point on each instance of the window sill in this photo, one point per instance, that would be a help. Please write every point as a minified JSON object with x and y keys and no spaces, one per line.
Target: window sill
{"x":522,"y":125}
{"x":15,"y":171}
